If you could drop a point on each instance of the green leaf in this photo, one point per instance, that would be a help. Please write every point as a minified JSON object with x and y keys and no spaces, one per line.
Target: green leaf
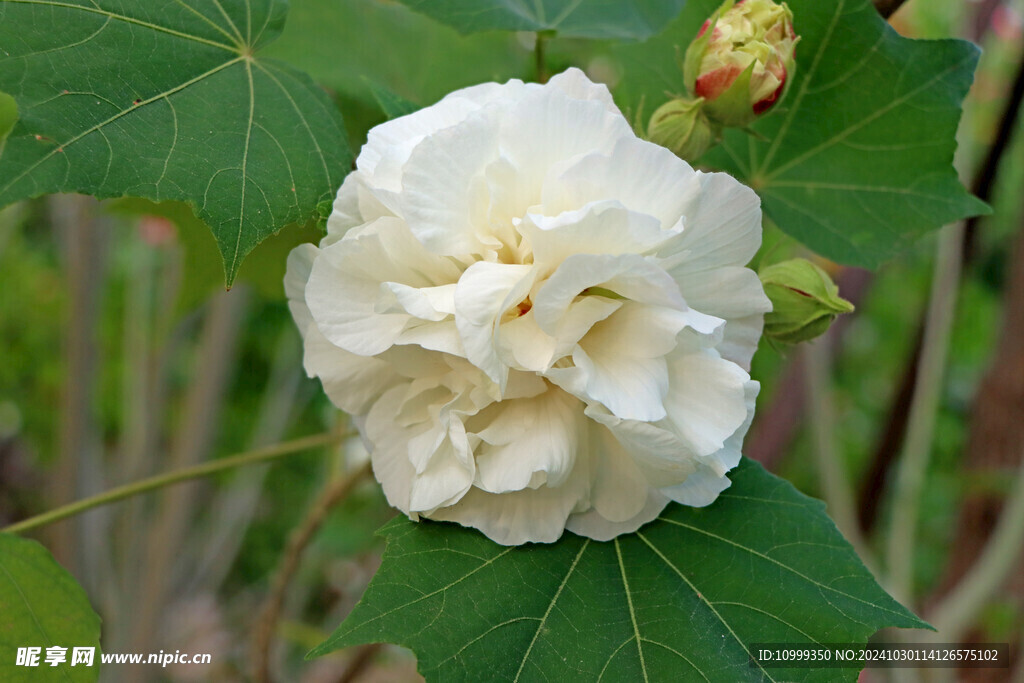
{"x":42,"y":606}
{"x":391,"y":103}
{"x":620,"y":19}
{"x":8,"y":116}
{"x":167,"y":100}
{"x":682,"y":598}
{"x":856,"y":161}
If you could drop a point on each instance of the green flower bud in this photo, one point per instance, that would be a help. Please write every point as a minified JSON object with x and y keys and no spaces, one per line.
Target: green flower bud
{"x":681,"y":125}
{"x":804,"y":299}
{"x":742,"y":60}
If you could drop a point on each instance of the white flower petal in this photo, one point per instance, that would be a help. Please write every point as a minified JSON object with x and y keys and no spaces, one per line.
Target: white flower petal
{"x":528,"y":442}
{"x":734,"y":294}
{"x":388,"y":446}
{"x":444,"y":190}
{"x":526,"y":516}
{"x":352,"y":382}
{"x":521,"y":344}
{"x":630,"y":276}
{"x":485,"y":291}
{"x":345,"y":213}
{"x":624,"y":368}
{"x":663,"y":458}
{"x":644,"y":177}
{"x":300,"y":263}
{"x":546,"y":129}
{"x":574,"y":83}
{"x":348,"y":291}
{"x":426,"y":303}
{"x":722,"y":227}
{"x":592,"y":525}
{"x":620,"y":490}
{"x":448,"y":474}
{"x":706,"y":400}
{"x":700,"y":489}
{"x":440,"y":336}
{"x":604,"y":227}
{"x":389,"y":145}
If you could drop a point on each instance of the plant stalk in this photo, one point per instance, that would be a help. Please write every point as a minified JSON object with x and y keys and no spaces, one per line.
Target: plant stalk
{"x":913,"y":466}
{"x":835,"y":482}
{"x":175,"y":477}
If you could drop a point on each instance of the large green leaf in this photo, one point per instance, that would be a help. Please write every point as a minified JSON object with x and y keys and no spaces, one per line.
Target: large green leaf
{"x":856,"y":161}
{"x":167,"y":100}
{"x":681,"y":599}
{"x":621,"y":19}
{"x":42,"y":606}
{"x":8,"y":116}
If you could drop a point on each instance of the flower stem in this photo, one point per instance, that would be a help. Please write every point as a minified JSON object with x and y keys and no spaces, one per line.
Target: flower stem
{"x":540,"y":55}
{"x":913,"y":466}
{"x":168,"y":478}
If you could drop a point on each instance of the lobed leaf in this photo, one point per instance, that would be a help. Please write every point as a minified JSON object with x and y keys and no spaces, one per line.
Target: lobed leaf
{"x":681,"y":599}
{"x":618,"y":19}
{"x":856,"y":161}
{"x":168,"y":100}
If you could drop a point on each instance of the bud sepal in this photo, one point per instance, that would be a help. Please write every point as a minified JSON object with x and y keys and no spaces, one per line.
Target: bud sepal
{"x":682,"y":126}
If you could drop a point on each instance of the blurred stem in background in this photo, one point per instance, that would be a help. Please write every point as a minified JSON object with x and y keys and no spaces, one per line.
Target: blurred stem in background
{"x":996,"y":441}
{"x":266,"y":624}
{"x":161,"y":481}
{"x":924,"y":406}
{"x":832,"y":475}
{"x":78,"y":471}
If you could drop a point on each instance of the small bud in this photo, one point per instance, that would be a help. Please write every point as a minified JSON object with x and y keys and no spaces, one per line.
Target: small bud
{"x":804,"y":299}
{"x":741,"y":60}
{"x":681,"y":125}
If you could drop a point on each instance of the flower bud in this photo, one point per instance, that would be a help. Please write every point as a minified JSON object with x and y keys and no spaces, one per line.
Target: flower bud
{"x":804,"y":299}
{"x":741,"y":60}
{"x":681,"y":126}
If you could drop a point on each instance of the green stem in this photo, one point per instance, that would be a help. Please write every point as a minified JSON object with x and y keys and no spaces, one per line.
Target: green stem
{"x":924,"y":406}
{"x":185,"y":474}
{"x":834,"y":480}
{"x":540,"y":55}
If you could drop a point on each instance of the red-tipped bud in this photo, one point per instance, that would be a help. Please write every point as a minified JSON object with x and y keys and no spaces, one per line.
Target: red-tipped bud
{"x":741,"y":60}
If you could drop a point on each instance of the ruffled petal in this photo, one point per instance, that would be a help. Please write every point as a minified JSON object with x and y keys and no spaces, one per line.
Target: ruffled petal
{"x":706,"y":401}
{"x":546,"y":129}
{"x":735,"y":294}
{"x":592,"y":524}
{"x":644,"y":177}
{"x":444,"y":190}
{"x":620,"y":491}
{"x":388,"y":446}
{"x":355,"y":284}
{"x":526,"y":516}
{"x":722,"y":227}
{"x":604,"y":227}
{"x":527,"y":443}
{"x":485,"y":291}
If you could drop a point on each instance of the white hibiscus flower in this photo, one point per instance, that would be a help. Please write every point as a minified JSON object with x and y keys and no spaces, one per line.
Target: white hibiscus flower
{"x":539,"y":321}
